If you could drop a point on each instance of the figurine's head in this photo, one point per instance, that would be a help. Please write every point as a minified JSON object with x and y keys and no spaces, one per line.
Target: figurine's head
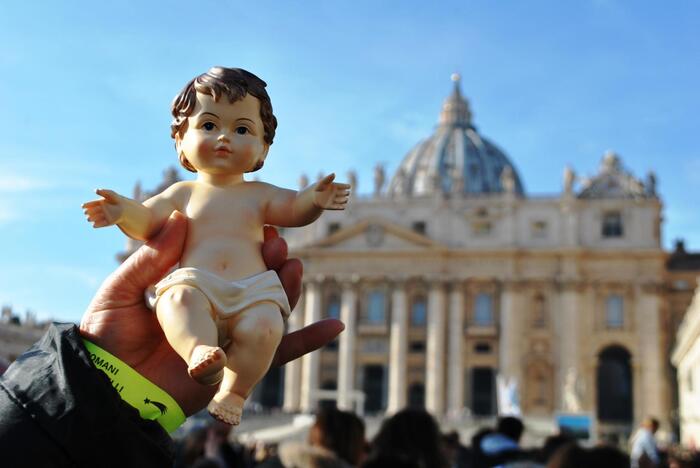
{"x":245,"y":94}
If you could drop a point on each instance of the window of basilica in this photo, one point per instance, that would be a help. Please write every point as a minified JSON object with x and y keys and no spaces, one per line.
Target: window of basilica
{"x":418,"y":312}
{"x":539,"y":311}
{"x":332,"y":310}
{"x":612,"y":224}
{"x":483,"y":310}
{"x":375,"y":310}
{"x":614,"y":311}
{"x":333,"y":307}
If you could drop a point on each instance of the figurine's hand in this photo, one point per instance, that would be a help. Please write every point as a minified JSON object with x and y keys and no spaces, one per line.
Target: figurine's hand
{"x":107,"y":210}
{"x":118,"y":320}
{"x":331,"y":195}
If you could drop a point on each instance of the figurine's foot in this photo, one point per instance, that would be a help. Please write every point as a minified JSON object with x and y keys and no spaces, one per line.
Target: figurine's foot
{"x":227,"y":408}
{"x":207,"y":365}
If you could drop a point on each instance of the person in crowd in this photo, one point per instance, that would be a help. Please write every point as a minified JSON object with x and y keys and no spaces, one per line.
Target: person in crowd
{"x":341,"y":432}
{"x":573,"y":456}
{"x":479,"y":458}
{"x":644,"y":452}
{"x":337,"y":438}
{"x":501,"y":447}
{"x":551,"y":445}
{"x":411,"y":433}
{"x":390,"y":461}
{"x":190,"y":448}
{"x":506,"y":438}
{"x":56,"y":396}
{"x":219,"y":448}
{"x":457,"y":455}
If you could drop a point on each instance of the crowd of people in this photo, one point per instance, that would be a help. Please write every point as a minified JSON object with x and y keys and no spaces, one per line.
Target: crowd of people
{"x":412,"y":438}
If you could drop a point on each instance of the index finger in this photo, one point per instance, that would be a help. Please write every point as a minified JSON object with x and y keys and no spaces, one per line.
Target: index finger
{"x":310,"y":338}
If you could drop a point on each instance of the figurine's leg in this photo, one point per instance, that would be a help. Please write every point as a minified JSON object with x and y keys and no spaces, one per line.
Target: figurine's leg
{"x":185,"y":316}
{"x":255,"y":334}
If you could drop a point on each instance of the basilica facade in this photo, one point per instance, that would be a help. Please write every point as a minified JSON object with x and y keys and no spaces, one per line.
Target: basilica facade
{"x":450,"y":277}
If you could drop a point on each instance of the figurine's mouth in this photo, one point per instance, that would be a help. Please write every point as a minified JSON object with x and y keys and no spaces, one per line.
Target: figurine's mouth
{"x":222,"y":151}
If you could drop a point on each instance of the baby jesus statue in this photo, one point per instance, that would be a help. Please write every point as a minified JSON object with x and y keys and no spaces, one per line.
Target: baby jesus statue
{"x":222,"y":311}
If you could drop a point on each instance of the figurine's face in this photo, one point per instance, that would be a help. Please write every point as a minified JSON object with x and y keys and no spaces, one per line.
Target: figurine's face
{"x":224,"y":138}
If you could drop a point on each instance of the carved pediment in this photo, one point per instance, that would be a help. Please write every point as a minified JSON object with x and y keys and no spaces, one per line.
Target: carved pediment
{"x":376,"y":233}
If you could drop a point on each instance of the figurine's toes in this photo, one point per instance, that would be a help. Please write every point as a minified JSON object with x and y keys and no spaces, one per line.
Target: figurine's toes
{"x":227,"y":409}
{"x":207,"y":365}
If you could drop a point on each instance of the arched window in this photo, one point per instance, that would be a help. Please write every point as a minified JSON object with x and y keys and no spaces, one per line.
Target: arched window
{"x":333,"y":307}
{"x":418,"y":312}
{"x":539,"y":312}
{"x":483,"y":310}
{"x":376,"y":308}
{"x":614,"y":311}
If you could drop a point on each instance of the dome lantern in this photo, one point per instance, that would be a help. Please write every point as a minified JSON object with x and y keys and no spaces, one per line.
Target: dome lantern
{"x":455,"y":109}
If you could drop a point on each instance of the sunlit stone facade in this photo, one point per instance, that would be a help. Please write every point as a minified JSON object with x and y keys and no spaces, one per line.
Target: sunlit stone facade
{"x":451,"y":274}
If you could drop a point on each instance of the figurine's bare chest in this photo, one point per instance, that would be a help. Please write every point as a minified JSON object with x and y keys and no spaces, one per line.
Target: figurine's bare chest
{"x":227,"y":209}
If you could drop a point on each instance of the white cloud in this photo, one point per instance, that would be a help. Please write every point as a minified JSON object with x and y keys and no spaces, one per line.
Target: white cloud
{"x":19,"y":183}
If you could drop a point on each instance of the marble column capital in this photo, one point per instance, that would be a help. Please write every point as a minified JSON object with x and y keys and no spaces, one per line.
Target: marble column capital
{"x":651,"y":287}
{"x":571,"y":284}
{"x":315,"y":280}
{"x":513,"y":285}
{"x":399,"y":282}
{"x":437,"y":281}
{"x":349,"y":281}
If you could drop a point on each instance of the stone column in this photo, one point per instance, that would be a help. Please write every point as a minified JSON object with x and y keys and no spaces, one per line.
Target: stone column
{"x":567,"y":327}
{"x":653,"y":386}
{"x":292,"y":370}
{"x":346,"y":359}
{"x":455,"y":373}
{"x":435,"y":356}
{"x":510,"y":333}
{"x":310,"y":362}
{"x":398,"y":349}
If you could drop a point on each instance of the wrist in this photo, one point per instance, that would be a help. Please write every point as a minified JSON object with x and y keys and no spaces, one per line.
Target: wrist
{"x":152,"y":402}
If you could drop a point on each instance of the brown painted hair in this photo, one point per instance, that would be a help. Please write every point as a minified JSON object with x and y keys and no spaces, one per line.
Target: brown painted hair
{"x":235,"y":83}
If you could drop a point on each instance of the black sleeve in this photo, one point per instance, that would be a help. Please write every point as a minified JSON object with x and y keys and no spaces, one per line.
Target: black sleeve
{"x":57,"y":409}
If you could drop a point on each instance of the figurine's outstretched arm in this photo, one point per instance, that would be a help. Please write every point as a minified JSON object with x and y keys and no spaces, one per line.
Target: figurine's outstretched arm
{"x":136,"y":220}
{"x":289,"y":208}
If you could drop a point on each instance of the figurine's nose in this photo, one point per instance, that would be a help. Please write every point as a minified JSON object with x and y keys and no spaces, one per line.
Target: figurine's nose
{"x":222,"y":137}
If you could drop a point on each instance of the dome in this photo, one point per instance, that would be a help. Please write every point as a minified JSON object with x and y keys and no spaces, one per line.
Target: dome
{"x":455,"y":159}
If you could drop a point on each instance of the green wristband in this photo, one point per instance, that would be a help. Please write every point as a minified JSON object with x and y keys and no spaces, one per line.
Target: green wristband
{"x":151,"y":401}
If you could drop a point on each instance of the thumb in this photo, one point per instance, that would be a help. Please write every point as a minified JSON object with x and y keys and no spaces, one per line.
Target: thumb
{"x":323,"y":183}
{"x":153,"y":260}
{"x":109,"y":195}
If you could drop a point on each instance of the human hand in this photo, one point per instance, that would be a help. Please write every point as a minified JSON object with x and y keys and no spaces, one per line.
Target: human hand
{"x":118,"y":320}
{"x":107,"y":210}
{"x":331,"y":195}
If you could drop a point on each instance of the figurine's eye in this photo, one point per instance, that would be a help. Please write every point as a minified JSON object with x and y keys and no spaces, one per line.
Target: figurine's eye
{"x":208,"y":126}
{"x":242,"y":130}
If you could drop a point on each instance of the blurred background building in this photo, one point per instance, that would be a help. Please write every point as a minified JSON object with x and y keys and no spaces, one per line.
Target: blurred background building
{"x":450,"y":275}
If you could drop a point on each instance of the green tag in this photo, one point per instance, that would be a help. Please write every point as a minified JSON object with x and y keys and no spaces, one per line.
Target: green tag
{"x":152,"y":402}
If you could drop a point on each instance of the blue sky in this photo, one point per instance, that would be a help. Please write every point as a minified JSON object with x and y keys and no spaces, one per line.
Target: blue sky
{"x":85,"y":89}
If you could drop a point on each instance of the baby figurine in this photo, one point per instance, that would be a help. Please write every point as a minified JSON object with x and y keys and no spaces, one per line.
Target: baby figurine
{"x":222,"y":311}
